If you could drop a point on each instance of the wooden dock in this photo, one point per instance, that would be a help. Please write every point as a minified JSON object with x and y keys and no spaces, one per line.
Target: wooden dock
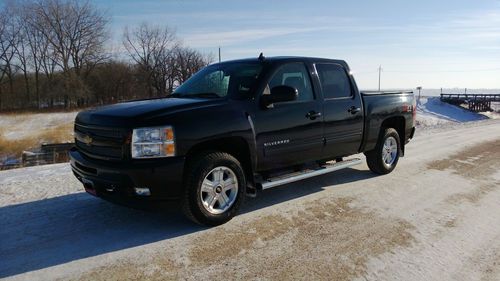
{"x":475,"y":102}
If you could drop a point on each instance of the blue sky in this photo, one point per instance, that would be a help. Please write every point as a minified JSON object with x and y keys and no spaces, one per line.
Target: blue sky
{"x":428,"y":43}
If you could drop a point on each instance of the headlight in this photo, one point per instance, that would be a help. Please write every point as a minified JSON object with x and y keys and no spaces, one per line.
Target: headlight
{"x":153,"y":142}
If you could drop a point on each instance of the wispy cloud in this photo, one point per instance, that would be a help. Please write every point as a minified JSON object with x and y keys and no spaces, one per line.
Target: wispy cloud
{"x":240,"y":36}
{"x":437,"y":36}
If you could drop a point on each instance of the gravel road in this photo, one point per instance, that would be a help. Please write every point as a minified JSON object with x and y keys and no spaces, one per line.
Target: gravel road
{"x":436,"y":217}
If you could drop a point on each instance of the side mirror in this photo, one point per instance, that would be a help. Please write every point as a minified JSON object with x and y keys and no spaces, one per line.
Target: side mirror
{"x":281,"y":93}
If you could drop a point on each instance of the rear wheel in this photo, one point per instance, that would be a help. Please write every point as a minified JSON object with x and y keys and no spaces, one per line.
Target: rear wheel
{"x":384,"y":158}
{"x":214,"y":188}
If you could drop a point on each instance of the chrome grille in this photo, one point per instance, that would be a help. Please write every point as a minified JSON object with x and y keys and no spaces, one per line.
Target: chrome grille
{"x":99,"y":142}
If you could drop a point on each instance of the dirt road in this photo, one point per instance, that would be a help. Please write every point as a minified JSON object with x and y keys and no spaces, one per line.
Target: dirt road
{"x":436,"y":217}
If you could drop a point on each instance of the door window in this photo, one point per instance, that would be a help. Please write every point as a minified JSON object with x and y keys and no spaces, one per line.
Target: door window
{"x":334,"y":81}
{"x":294,"y":75}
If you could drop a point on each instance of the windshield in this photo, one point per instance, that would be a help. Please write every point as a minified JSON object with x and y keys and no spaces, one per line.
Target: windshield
{"x":221,"y":80}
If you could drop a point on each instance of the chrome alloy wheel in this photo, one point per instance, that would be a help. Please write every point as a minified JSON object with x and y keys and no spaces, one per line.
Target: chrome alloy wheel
{"x":219,"y":190}
{"x":389,"y":151}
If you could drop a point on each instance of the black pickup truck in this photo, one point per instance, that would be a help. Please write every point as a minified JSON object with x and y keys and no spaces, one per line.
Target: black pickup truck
{"x":235,"y":128}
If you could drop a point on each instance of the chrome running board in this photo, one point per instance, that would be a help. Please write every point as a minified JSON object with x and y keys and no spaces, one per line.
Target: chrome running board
{"x":297,"y":176}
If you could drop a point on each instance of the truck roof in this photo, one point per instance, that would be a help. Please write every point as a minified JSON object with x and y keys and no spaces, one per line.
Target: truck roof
{"x":290,"y":59}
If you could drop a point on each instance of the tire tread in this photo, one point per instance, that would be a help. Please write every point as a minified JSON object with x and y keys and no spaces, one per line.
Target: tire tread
{"x":373,"y":159}
{"x":193,"y":167}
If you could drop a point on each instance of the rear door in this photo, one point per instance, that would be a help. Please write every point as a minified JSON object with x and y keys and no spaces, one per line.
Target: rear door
{"x":342,"y":108}
{"x":290,"y":132}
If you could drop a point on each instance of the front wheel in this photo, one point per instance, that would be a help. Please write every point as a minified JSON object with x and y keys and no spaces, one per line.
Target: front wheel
{"x":215,"y":188}
{"x":384,"y":158}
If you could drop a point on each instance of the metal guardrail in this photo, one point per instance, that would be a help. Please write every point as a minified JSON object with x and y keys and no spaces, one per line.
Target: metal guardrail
{"x":470,"y":97}
{"x":475,"y":102}
{"x":10,"y":166}
{"x":48,"y":154}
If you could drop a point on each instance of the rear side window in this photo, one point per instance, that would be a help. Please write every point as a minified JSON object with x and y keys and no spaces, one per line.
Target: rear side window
{"x":294,"y":75}
{"x":334,"y":81}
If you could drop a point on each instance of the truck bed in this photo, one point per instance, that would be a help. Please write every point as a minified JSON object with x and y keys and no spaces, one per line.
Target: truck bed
{"x":379,"y":106}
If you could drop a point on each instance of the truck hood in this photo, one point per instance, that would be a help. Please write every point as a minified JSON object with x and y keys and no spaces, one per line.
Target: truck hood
{"x":129,"y":113}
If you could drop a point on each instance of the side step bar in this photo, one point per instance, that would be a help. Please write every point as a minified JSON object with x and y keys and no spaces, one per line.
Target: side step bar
{"x":297,"y":176}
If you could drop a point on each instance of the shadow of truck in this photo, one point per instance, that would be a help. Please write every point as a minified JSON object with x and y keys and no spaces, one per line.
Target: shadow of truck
{"x":49,"y":232}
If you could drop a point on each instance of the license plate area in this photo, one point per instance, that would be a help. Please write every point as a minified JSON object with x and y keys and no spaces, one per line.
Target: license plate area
{"x":89,"y":186}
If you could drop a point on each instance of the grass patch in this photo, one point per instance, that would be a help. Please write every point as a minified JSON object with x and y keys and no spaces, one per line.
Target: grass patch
{"x":15,"y":147}
{"x":57,"y":134}
{"x":61,"y":133}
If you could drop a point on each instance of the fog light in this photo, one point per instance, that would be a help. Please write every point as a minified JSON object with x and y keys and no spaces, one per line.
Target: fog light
{"x":142,"y":191}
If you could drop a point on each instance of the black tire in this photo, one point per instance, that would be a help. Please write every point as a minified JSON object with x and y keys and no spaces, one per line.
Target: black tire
{"x":197,"y":169}
{"x":374,"y":158}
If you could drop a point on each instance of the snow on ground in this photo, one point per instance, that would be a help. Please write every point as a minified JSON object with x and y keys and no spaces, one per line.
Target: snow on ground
{"x":437,"y":92}
{"x":431,"y":111}
{"x":491,"y":114}
{"x":25,"y":125}
{"x":36,"y":183}
{"x":436,"y":217}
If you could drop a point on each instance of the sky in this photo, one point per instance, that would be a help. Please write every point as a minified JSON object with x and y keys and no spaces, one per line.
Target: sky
{"x":433,"y":44}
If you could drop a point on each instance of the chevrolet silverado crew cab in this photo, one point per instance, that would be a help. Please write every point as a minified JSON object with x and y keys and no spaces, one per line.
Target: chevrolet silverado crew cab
{"x":235,"y":128}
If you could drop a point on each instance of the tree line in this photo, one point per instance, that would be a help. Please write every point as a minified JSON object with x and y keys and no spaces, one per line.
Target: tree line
{"x":55,"y":54}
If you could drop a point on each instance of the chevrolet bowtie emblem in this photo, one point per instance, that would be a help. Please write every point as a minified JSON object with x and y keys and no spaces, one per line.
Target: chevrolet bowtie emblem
{"x":87,"y":140}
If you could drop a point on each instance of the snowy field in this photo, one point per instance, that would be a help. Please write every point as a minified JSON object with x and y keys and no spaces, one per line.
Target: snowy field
{"x":28,"y":131}
{"x":436,"y":92}
{"x":436,"y":217}
{"x":25,"y":125}
{"x":432,"y":112}
{"x":443,"y":223}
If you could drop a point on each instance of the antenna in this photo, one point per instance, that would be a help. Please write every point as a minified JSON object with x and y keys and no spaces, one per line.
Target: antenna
{"x":261,"y":57}
{"x":219,"y":54}
{"x":379,"y":74}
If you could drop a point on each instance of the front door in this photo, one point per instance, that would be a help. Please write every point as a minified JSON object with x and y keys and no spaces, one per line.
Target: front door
{"x":290,"y":132}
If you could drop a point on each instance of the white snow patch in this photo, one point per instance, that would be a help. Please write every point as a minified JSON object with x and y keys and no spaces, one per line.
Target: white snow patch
{"x":37,"y":183}
{"x":491,"y":114}
{"x":431,"y":111}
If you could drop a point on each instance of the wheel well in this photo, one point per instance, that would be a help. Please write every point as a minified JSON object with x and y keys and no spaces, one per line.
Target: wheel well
{"x":236,"y":146}
{"x":398,"y":123}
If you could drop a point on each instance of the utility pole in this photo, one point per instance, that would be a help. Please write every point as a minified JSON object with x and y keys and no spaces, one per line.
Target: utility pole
{"x":379,"y":74}
{"x":219,"y":54}
{"x":419,"y":88}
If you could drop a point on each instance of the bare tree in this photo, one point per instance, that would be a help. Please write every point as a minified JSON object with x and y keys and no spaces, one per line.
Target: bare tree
{"x":42,"y":58}
{"x":21,"y":48}
{"x":151,"y":47}
{"x":188,"y":62}
{"x":52,"y":54}
{"x":75,"y":30}
{"x":8,"y":41}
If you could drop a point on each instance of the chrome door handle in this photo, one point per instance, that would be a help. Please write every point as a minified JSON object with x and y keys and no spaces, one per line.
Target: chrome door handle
{"x":313,"y":114}
{"x":353,"y":110}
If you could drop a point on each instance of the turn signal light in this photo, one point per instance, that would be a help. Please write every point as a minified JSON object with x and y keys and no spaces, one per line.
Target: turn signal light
{"x":169,"y":149}
{"x":169,"y":134}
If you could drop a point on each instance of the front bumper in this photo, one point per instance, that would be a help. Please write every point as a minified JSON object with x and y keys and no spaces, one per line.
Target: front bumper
{"x":115,"y":181}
